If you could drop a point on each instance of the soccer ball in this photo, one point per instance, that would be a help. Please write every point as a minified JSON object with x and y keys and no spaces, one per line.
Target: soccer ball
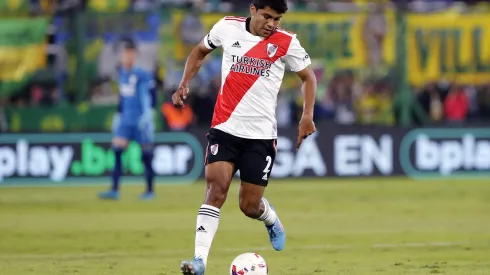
{"x":249,"y":264}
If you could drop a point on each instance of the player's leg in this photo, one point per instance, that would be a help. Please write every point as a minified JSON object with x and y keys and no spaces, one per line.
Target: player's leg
{"x":255,"y":170}
{"x":221,"y":154}
{"x":147,"y":159}
{"x":119,"y":143}
{"x":145,"y":139}
{"x":218,"y":178}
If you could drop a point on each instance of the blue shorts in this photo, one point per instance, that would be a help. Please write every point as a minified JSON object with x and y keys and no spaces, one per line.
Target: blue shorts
{"x":133,"y":132}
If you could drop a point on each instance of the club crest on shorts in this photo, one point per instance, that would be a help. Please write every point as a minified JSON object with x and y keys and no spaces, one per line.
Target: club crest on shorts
{"x":214,"y":149}
{"x":272,"y":49}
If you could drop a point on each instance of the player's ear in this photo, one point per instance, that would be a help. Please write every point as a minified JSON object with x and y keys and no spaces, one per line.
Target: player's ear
{"x":253,"y":10}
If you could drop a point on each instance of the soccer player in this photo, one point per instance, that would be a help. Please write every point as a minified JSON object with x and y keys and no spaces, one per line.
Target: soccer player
{"x":134,"y":120}
{"x":244,"y":130}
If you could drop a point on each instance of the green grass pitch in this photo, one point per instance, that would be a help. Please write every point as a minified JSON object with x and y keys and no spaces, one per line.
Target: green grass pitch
{"x":349,"y":227}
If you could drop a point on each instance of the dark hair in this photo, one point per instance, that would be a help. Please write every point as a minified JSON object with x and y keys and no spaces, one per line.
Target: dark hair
{"x":128,"y":43}
{"x":280,"y":6}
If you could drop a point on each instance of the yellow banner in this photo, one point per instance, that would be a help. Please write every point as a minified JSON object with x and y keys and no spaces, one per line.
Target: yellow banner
{"x":451,"y":46}
{"x":17,"y":62}
{"x":334,"y":38}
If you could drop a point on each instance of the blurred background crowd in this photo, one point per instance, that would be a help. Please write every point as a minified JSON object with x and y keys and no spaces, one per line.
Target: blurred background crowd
{"x":365,"y":75}
{"x":56,"y":6}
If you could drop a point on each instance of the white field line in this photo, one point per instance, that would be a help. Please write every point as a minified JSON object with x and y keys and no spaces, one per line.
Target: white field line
{"x":244,"y":249}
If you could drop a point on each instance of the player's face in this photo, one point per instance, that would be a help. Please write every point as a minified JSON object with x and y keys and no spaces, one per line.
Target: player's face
{"x":128,"y":57}
{"x":264,"y":21}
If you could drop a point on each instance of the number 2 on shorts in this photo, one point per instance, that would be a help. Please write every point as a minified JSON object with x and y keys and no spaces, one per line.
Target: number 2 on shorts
{"x":267,"y":167}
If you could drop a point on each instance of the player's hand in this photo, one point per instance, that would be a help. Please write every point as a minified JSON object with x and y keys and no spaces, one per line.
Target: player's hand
{"x":145,"y":121}
{"x":306,"y":128}
{"x":180,"y":95}
{"x":116,"y":121}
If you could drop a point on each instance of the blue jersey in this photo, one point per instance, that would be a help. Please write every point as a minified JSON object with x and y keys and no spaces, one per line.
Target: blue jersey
{"x":135,"y":97}
{"x":153,"y":92}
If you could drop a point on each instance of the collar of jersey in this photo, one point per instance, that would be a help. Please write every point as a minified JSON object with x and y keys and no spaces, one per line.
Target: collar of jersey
{"x":247,"y":27}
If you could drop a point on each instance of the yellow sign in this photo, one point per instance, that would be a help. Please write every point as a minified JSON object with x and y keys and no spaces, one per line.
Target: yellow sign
{"x":22,"y":51}
{"x":17,"y":62}
{"x":334,"y":38}
{"x":451,"y":46}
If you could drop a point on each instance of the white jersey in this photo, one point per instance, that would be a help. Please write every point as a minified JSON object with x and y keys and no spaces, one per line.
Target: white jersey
{"x":252,"y":73}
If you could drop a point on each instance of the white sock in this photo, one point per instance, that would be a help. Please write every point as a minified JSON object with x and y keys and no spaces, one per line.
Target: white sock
{"x":269,"y":216}
{"x":206,"y":227}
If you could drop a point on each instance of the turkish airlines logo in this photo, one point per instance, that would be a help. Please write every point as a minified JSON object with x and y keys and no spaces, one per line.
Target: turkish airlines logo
{"x":251,"y":65}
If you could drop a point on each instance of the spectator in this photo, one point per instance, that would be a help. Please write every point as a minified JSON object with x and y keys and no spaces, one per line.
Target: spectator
{"x":191,"y":28}
{"x":366,"y":105}
{"x":456,"y":105}
{"x":352,"y":84}
{"x":283,"y":110}
{"x":178,"y":119}
{"x":374,"y":34}
{"x":202,"y":100}
{"x":3,"y":117}
{"x":385,"y":114}
{"x":344,"y":108}
{"x":343,"y":105}
{"x":430,"y":99}
{"x":484,"y":102}
{"x":472,"y":95}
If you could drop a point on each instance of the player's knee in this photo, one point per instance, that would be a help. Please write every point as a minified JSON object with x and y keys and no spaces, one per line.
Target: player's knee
{"x":218,"y":178}
{"x":251,"y":208}
{"x":217,"y":196}
{"x":217,"y":190}
{"x":146,"y":152}
{"x":119,"y":142}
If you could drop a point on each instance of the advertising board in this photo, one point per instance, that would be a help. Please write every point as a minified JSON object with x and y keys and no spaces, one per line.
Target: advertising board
{"x":87,"y":156}
{"x":333,"y":151}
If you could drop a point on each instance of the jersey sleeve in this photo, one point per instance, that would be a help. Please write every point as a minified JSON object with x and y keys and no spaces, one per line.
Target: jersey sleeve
{"x":297,"y":58}
{"x":152,"y":86}
{"x":214,"y":38}
{"x":144,"y":92}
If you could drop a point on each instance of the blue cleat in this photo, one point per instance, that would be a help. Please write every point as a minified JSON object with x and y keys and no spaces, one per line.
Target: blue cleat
{"x":148,"y":196}
{"x":194,"y":267}
{"x":277,"y":234}
{"x":109,"y":195}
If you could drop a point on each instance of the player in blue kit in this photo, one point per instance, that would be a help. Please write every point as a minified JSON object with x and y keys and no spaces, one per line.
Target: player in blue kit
{"x":134,"y":120}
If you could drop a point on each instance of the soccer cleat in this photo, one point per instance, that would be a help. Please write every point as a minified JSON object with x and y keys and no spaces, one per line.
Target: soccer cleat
{"x":277,"y":234}
{"x":194,"y":267}
{"x":109,"y":195}
{"x":147,"y":196}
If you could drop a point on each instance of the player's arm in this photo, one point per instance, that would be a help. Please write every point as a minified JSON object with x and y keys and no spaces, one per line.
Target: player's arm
{"x":153,"y":89}
{"x":192,"y":66}
{"x":308,"y":89}
{"x":299,"y":62}
{"x":116,"y":120}
{"x":119,"y":104}
{"x":145,"y":99}
{"x":195,"y":60}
